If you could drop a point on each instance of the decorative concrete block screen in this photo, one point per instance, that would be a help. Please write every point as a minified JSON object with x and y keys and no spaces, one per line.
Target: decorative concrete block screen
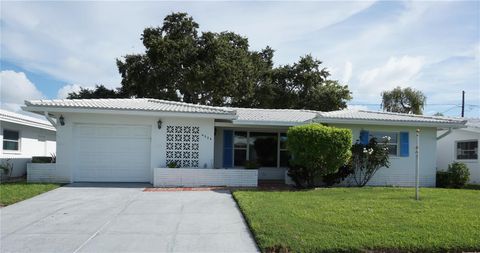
{"x":42,"y":172}
{"x":183,"y":145}
{"x":166,"y":177}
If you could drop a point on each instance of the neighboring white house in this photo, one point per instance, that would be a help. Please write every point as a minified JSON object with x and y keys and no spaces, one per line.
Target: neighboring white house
{"x":460,"y":145}
{"x":23,"y":137}
{"x":131,"y":140}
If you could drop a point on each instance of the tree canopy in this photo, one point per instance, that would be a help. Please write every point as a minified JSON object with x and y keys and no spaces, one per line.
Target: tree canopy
{"x":100,"y":91}
{"x":405,"y":100}
{"x":220,"y":69}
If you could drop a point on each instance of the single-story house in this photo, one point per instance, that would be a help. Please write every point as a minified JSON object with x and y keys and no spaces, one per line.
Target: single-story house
{"x":460,"y":145}
{"x":22,"y":137}
{"x":134,"y":140}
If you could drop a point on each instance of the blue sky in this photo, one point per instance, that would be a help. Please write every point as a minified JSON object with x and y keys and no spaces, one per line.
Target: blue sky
{"x":51,"y":48}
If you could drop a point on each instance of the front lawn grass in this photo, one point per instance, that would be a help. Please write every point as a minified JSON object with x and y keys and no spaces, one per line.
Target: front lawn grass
{"x":14,"y":192}
{"x":362,"y":219}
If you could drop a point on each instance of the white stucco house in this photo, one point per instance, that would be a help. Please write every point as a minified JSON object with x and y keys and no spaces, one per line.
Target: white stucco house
{"x":23,"y":137}
{"x":460,"y":145}
{"x":133,"y":140}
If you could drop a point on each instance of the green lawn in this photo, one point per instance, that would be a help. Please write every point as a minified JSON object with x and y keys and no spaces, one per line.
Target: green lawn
{"x":359,"y":219}
{"x":13,"y":192}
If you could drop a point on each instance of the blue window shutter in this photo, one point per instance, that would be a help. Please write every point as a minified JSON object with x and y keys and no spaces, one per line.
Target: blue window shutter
{"x":227,"y":148}
{"x":364,"y":137}
{"x":404,"y":145}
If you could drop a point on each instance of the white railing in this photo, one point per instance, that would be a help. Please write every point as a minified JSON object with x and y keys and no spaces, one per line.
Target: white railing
{"x":183,"y":177}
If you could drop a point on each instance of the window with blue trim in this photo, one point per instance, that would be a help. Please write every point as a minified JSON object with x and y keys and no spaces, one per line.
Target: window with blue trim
{"x":392,"y":143}
{"x":267,"y":149}
{"x":239,"y":148}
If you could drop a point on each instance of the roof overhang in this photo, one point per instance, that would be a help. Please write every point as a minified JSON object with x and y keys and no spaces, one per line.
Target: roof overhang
{"x":389,"y":123}
{"x":267,"y":123}
{"x":26,"y":123}
{"x":51,"y":109}
{"x":257,"y":124}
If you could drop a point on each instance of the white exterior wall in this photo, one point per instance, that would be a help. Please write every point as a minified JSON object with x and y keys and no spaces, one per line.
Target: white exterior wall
{"x":33,"y":142}
{"x":66,"y":162}
{"x":166,"y":177}
{"x":446,"y":152}
{"x":402,"y":169}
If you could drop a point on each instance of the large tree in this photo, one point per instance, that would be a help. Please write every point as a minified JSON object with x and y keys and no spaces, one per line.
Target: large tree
{"x":100,"y":91}
{"x":405,"y":100}
{"x":305,"y":85}
{"x":219,"y":69}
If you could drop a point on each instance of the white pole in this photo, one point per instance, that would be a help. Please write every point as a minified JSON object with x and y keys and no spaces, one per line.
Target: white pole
{"x":417,"y":165}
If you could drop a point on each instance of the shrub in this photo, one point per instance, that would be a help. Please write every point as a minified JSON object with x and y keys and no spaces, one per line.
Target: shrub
{"x":442,"y":179}
{"x":6,"y":168}
{"x":368,"y":159}
{"x":173,"y":165}
{"x":317,"y":151}
{"x":456,"y":176}
{"x":337,"y":177}
{"x":42,"y":159}
{"x":251,"y":165}
{"x":459,"y":174}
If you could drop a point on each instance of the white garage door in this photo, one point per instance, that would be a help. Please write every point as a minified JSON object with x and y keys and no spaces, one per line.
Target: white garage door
{"x":112,"y":153}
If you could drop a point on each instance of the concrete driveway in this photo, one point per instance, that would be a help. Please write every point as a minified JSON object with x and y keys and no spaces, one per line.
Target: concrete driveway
{"x":123,"y":218}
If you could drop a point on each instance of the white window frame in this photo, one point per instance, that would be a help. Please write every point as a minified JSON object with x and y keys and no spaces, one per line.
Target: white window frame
{"x":397,"y":144}
{"x":248,"y":146}
{"x":456,"y":150}
{"x":19,"y":141}
{"x":279,"y":148}
{"x":234,"y":148}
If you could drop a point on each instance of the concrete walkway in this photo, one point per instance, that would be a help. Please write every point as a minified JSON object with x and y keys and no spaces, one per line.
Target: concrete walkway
{"x":123,"y":218}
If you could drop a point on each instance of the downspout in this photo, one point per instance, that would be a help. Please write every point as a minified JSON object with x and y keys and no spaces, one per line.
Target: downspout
{"x":444,"y":134}
{"x":54,"y":124}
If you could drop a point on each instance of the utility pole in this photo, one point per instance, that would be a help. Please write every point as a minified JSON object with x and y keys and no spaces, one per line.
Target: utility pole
{"x":463,"y":103}
{"x":417,"y":166}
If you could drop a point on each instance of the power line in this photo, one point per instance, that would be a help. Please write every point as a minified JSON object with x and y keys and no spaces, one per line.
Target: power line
{"x":451,"y":108}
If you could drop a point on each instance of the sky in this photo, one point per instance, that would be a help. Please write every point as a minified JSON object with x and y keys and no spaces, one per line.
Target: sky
{"x":49,"y":49}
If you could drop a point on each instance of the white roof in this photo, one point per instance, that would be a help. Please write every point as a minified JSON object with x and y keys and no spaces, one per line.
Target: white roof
{"x":285,"y":116}
{"x":25,"y":120}
{"x":350,"y":116}
{"x":131,"y":104}
{"x":473,"y":125}
{"x":278,"y":117}
{"x":473,"y":122}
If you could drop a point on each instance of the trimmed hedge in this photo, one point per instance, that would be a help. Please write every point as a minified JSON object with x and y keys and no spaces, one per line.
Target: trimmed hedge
{"x":317,"y":151}
{"x":42,"y":159}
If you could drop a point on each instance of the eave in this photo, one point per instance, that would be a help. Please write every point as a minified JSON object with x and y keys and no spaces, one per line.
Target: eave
{"x":42,"y":109}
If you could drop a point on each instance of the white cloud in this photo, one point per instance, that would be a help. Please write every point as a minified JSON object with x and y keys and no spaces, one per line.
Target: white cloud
{"x":79,"y":42}
{"x":15,"y":89}
{"x":347,"y":74}
{"x":398,"y":71}
{"x":65,"y":90}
